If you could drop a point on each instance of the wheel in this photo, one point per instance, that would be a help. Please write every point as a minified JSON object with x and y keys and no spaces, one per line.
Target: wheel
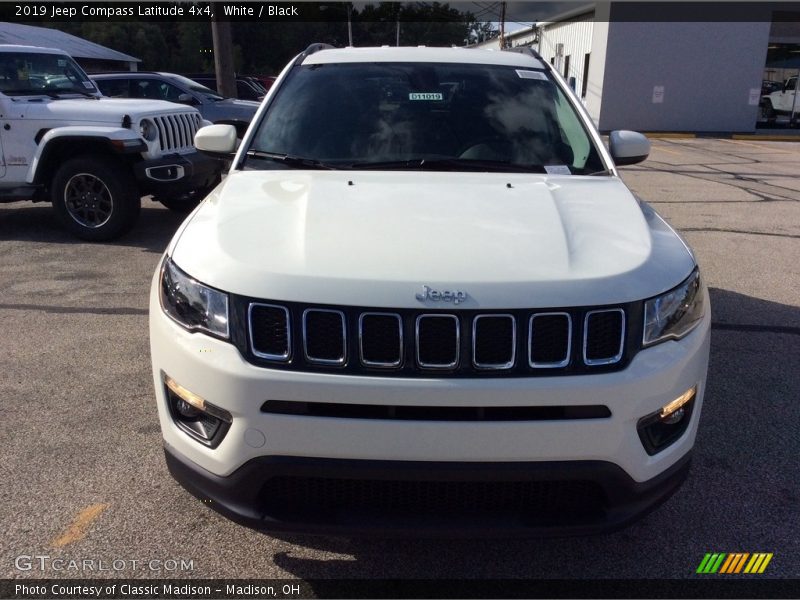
{"x":95,"y":198}
{"x":767,"y":111}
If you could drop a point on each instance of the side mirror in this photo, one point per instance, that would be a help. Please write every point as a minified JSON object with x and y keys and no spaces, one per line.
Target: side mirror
{"x":628,"y":147}
{"x":216,"y":140}
{"x":187,"y":99}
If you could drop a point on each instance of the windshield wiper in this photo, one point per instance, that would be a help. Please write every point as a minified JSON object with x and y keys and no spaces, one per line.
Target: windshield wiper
{"x":599,"y":173}
{"x":289,"y":160}
{"x":449,"y":164}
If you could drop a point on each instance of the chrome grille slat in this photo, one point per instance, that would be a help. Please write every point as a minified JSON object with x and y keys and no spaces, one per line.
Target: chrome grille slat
{"x":275,"y":334}
{"x":554,"y":364}
{"x":364,"y":338}
{"x":478,"y":338}
{"x":312,"y":355}
{"x":606,"y":359}
{"x":423,"y":321}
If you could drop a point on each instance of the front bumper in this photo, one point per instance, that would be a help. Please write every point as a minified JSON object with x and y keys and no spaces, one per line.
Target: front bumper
{"x":255,"y":496}
{"x":176,"y":175}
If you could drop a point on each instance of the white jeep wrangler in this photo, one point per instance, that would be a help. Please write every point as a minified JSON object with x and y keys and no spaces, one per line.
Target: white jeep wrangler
{"x":423,"y":299}
{"x":92,"y":157}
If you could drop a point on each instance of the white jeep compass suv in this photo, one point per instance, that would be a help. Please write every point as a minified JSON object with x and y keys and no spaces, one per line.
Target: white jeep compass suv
{"x":424,"y":300}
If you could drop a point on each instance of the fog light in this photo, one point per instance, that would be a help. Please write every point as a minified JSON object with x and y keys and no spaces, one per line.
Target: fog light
{"x":197,"y":418}
{"x":660,"y":429}
{"x":675,"y":408}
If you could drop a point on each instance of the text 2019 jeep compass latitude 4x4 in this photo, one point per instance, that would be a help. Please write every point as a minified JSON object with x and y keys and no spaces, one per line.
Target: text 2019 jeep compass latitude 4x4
{"x":423,"y":299}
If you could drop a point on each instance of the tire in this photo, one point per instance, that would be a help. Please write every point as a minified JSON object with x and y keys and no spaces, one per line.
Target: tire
{"x":768,"y":112}
{"x":95,"y":197}
{"x":187,"y":203}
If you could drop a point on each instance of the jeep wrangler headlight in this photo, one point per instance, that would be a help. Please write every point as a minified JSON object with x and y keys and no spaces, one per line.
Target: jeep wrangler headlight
{"x":192,"y":304}
{"x":676,"y":313}
{"x":147,"y":129}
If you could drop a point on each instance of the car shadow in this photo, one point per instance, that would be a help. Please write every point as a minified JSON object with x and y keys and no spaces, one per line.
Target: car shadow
{"x":28,"y":222}
{"x":742,"y":493}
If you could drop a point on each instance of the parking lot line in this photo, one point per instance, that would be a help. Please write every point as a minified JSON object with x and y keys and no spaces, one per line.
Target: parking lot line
{"x":78,"y":528}
{"x":768,"y":148}
{"x":667,"y":150}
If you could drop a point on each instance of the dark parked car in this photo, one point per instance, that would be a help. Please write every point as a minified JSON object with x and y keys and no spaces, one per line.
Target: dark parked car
{"x":177,"y":88}
{"x":247,"y":88}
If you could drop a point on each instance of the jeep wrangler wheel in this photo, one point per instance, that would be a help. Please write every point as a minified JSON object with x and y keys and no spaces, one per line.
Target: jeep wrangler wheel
{"x":188,"y":202}
{"x":95,"y":198}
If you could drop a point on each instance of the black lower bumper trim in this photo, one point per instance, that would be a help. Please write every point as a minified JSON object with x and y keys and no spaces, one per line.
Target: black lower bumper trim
{"x":442,"y":499}
{"x":199,"y":171}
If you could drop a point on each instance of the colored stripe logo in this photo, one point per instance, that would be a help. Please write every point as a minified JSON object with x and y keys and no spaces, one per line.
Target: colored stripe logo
{"x":734,"y":563}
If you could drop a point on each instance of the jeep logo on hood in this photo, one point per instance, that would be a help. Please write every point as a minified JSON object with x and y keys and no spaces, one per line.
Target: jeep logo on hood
{"x":454,"y":296}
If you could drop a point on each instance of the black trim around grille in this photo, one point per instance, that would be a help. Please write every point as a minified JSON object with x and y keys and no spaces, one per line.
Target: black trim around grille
{"x":537,"y":341}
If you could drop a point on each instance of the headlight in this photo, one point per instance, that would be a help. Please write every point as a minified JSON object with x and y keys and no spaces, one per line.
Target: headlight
{"x":192,"y":304}
{"x":674,"y":314}
{"x":147,"y":129}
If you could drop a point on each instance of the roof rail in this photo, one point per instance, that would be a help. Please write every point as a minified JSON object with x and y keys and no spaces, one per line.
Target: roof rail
{"x":526,"y":50}
{"x":312,"y":49}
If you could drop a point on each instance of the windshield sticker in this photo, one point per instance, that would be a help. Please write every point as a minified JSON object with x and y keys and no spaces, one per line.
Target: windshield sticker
{"x":531,"y":75}
{"x":62,"y":62}
{"x":557,"y":169}
{"x":425,"y":96}
{"x":88,"y":85}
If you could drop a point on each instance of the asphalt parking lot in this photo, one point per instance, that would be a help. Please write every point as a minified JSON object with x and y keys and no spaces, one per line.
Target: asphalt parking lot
{"x":83,"y":471}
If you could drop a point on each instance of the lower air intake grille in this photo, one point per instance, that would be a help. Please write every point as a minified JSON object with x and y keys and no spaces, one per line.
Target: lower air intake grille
{"x":318,"y":497}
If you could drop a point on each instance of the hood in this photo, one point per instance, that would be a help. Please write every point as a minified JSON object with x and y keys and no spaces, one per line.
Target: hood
{"x":242,"y":104}
{"x":375,"y":238}
{"x":103,"y":110}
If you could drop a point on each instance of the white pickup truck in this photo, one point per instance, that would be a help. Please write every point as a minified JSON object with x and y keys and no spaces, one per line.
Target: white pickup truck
{"x":780,"y":102}
{"x":92,"y":157}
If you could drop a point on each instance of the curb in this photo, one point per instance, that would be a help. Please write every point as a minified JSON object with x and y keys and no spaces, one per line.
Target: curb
{"x":762,"y":137}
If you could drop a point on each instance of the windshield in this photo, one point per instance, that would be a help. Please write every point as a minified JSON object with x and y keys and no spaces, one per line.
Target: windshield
{"x":439,"y":116}
{"x":31,"y":73}
{"x":196,"y":87}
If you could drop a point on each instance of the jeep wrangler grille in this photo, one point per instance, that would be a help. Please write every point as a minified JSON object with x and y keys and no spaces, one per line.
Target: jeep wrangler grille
{"x":176,"y":131}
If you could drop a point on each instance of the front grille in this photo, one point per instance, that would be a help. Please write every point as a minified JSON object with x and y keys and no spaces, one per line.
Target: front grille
{"x":176,"y":131}
{"x":409,"y":343}
{"x":540,"y":502}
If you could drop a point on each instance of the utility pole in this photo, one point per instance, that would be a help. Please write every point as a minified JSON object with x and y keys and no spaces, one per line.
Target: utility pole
{"x":502,"y":25}
{"x":223,"y":54}
{"x":349,"y":24}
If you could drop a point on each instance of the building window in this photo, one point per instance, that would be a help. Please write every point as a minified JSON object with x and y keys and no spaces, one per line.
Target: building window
{"x":566,"y":67}
{"x":585,"y":84}
{"x":552,"y":60}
